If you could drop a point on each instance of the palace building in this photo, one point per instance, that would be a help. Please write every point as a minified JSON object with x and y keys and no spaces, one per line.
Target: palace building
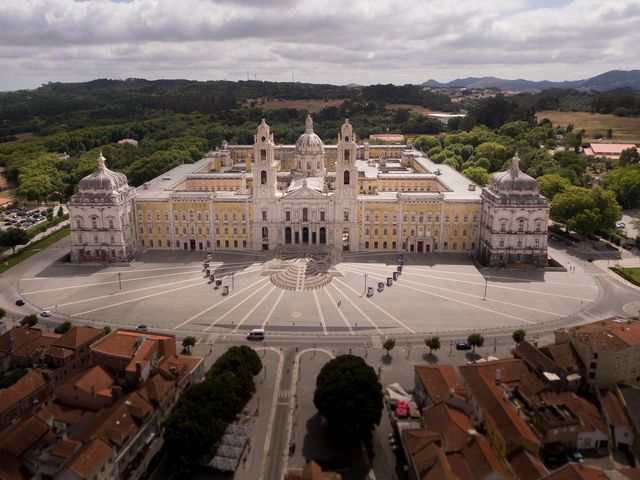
{"x":310,"y":196}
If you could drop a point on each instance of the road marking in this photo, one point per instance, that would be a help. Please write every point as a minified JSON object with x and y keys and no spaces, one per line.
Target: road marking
{"x":324,"y":326}
{"x":378,"y":307}
{"x":266,"y":320}
{"x":517,"y":305}
{"x":217,"y":320}
{"x":113,"y":295}
{"x":253,"y":309}
{"x":326,"y":290}
{"x":493,"y":285}
{"x":129,"y":301}
{"x":358,"y":309}
{"x":272,"y":414}
{"x":226,"y":299}
{"x":456,"y":300}
{"x":107,"y":283}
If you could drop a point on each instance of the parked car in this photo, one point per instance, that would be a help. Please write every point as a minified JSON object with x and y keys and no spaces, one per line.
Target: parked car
{"x":46,"y":313}
{"x":620,"y":225}
{"x":19,"y":302}
{"x":142,"y":328}
{"x":463,"y":346}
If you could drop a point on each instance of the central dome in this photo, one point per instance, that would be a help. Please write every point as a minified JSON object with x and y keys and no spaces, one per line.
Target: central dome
{"x":102,"y":179}
{"x":309,"y":142}
{"x":514,"y":180}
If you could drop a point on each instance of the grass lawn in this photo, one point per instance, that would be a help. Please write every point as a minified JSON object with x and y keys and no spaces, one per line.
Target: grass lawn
{"x":624,"y":128}
{"x":33,"y":249}
{"x":630,"y":274}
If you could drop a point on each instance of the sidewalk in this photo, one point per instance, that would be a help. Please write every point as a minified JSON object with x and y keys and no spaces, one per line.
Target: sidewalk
{"x":9,"y":252}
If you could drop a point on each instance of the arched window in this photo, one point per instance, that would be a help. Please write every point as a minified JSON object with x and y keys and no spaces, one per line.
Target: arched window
{"x":79,"y":223}
{"x":94,"y":222}
{"x":347,"y":156}
{"x":263,"y":177}
{"x":346,"y":177}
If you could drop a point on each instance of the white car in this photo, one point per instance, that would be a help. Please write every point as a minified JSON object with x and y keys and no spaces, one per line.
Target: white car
{"x":620,"y":225}
{"x":46,"y":313}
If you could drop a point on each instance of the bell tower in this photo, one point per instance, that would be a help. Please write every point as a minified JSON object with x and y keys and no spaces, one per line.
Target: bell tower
{"x":263,"y":190}
{"x":346,"y":192}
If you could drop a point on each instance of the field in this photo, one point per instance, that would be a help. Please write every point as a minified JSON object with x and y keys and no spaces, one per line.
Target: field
{"x":631,"y":274}
{"x":413,"y":108}
{"x":624,"y":128}
{"x":314,"y":105}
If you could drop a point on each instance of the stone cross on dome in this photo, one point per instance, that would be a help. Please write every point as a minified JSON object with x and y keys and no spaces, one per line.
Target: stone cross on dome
{"x":308,"y":124}
{"x":515,"y":164}
{"x":101,"y":160}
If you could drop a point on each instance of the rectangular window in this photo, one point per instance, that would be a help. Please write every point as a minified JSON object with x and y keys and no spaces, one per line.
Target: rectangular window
{"x":287,"y":216}
{"x":322,"y":215}
{"x":366,"y":244}
{"x":345,"y":215}
{"x":264,"y":215}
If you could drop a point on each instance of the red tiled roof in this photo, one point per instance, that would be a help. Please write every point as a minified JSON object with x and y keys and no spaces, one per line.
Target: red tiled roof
{"x":438,"y":380}
{"x":481,"y":383}
{"x":22,"y":389}
{"x":71,"y":415}
{"x":18,"y":337}
{"x":611,"y":334}
{"x":59,"y":352}
{"x":23,"y":435}
{"x":65,"y":448}
{"x":576,"y":471}
{"x":78,"y":336}
{"x":89,"y":458}
{"x":590,"y":418}
{"x":533,"y":357}
{"x":157,"y":387}
{"x":614,"y":408}
{"x":43,"y":342}
{"x":527,"y":466}
{"x":429,"y":459}
{"x":565,"y":356}
{"x":95,"y":378}
{"x":452,"y":425}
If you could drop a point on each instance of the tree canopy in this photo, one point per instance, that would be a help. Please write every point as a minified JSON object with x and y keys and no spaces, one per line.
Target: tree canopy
{"x":625,"y":183}
{"x":586,"y":211}
{"x":349,"y":395}
{"x":12,"y":237}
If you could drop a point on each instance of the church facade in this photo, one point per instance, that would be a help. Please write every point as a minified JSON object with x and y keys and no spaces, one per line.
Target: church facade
{"x":346,"y":197}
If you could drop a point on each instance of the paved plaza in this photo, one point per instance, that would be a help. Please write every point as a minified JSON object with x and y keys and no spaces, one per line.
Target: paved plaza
{"x":434,"y":293}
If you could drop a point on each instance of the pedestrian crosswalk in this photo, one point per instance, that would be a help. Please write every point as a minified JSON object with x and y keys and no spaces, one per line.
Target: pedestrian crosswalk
{"x":284,"y":393}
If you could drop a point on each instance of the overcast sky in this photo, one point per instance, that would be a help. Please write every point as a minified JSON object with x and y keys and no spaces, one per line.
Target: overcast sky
{"x":334,"y":41}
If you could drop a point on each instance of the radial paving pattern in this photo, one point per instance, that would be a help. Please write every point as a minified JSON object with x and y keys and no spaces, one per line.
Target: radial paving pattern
{"x":303,"y":295}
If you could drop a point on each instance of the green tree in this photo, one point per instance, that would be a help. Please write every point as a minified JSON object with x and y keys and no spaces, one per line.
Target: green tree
{"x":586,"y":211}
{"x":625,"y":183}
{"x":107,"y":330}
{"x":475,"y":340}
{"x":63,"y":327}
{"x":389,"y":344}
{"x":29,"y":320}
{"x":519,"y":335}
{"x":425,"y":142}
{"x":496,"y":153}
{"x":2,"y":313}
{"x":188,"y":342}
{"x":12,"y":237}
{"x":60,"y":212}
{"x":552,"y":184}
{"x":478,"y":175}
{"x":629,"y":156}
{"x":433,"y":343}
{"x":349,"y":395}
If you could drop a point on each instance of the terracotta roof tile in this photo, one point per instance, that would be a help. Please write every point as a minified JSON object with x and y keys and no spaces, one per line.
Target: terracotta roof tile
{"x":70,"y":415}
{"x":89,"y":458}
{"x":614,"y":408}
{"x":526,"y":466}
{"x":17,"y":338}
{"x":24,"y":435}
{"x":611,"y":334}
{"x":22,"y":389}
{"x":95,"y":378}
{"x":576,"y":471}
{"x":65,"y":448}
{"x":534,"y":358}
{"x":590,"y":418}
{"x":437,"y":380}
{"x":429,"y":459}
{"x":452,"y":425}
{"x":78,"y":336}
{"x":565,"y":356}
{"x":481,"y":383}
{"x":43,"y":342}
{"x":157,"y":387}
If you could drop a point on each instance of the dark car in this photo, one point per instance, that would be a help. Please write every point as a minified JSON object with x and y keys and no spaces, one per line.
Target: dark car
{"x":463,"y":346}
{"x":20,"y":302}
{"x":142,"y":328}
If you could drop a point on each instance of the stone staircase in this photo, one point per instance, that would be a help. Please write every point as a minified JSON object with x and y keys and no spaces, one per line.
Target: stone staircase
{"x":302,"y":274}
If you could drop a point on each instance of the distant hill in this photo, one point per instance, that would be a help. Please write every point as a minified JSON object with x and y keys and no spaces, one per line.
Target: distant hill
{"x":611,"y":80}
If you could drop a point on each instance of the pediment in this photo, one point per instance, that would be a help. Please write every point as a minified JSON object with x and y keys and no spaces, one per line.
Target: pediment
{"x":304,"y":192}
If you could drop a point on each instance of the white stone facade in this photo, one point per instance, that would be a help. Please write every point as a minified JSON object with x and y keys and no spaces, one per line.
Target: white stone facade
{"x":102,"y":218}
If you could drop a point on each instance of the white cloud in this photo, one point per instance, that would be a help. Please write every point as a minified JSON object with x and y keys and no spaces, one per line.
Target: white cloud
{"x":366,"y":41}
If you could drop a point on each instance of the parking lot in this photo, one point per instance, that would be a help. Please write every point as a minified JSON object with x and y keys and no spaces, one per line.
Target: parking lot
{"x":22,"y":217}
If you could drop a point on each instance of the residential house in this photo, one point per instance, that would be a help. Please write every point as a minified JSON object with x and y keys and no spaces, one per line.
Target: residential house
{"x":14,"y":340}
{"x":630,"y":398}
{"x":525,"y":466}
{"x":610,"y":350}
{"x":69,"y":354}
{"x":437,"y":383}
{"x":621,"y":428}
{"x":553,"y":375}
{"x":90,"y":389}
{"x":489,"y":386}
{"x":22,"y":399}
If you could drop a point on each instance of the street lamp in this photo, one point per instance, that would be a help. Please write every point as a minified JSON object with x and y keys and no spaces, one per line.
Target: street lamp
{"x":365,"y":283}
{"x":486,"y":281}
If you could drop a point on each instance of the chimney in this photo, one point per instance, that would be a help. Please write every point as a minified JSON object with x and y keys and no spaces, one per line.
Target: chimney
{"x":138,"y":370}
{"x":116,"y":392}
{"x":451,"y":392}
{"x":498,"y":376}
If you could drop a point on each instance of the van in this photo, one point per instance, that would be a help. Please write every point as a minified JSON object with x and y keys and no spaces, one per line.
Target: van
{"x":256,"y":334}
